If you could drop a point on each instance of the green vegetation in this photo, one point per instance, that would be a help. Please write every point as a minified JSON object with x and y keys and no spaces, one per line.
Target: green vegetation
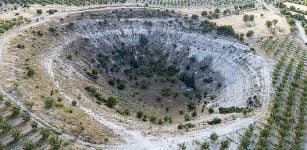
{"x":49,"y":102}
{"x":185,"y":126}
{"x":248,"y":18}
{"x":30,"y":71}
{"x":214,"y":121}
{"x":111,"y":102}
{"x":245,"y":139}
{"x":213,"y":136}
{"x":5,"y":25}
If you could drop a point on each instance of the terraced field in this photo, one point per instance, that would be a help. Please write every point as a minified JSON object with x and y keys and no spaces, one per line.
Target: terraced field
{"x":168,"y":3}
{"x":19,"y":131}
{"x":284,"y":126}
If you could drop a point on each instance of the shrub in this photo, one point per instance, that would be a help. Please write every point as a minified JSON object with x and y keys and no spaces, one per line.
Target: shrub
{"x":25,"y":116}
{"x":194,"y":17}
{"x":120,"y":85}
{"x":111,"y":102}
{"x":194,"y":113}
{"x":166,"y":91}
{"x":215,"y":121}
{"x":52,"y":11}
{"x":111,"y":82}
{"x":74,"y":103}
{"x":144,"y":84}
{"x":204,"y":13}
{"x":45,"y":132}
{"x":71,"y":25}
{"x":205,"y":146}
{"x":69,"y":56}
{"x":214,"y":136}
{"x":187,"y":117}
{"x":20,"y":46}
{"x":192,"y":106}
{"x":30,"y":71}
{"x":55,"y":142}
{"x":153,"y":119}
{"x":29,"y":104}
{"x":93,"y":92}
{"x":211,"y":110}
{"x":8,"y":103}
{"x":181,"y":112}
{"x":15,"y":110}
{"x":40,"y":33}
{"x":224,"y":144}
{"x":29,"y":145}
{"x":139,"y":114}
{"x":34,"y":125}
{"x":49,"y":102}
{"x":39,"y":11}
{"x":249,"y":33}
{"x":1,"y":97}
{"x":143,"y":40}
{"x":5,"y":125}
{"x":16,"y":134}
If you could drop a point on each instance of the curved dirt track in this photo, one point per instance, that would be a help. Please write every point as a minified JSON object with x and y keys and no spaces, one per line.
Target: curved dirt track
{"x":136,"y":139}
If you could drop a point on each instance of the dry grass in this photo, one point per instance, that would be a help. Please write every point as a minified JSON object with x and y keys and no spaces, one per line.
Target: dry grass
{"x":38,"y":87}
{"x":258,"y":25}
{"x":301,"y":7}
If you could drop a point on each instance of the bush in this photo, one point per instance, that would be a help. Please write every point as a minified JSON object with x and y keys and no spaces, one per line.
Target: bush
{"x":15,"y":110}
{"x":194,"y":17}
{"x":45,"y":132}
{"x":29,"y":104}
{"x":25,"y":116}
{"x":8,"y":103}
{"x":74,"y":103}
{"x":120,"y":85}
{"x":139,"y":114}
{"x":215,"y":121}
{"x":144,"y":84}
{"x":194,"y":113}
{"x":39,"y":11}
{"x":111,"y":102}
{"x":204,"y":13}
{"x":34,"y":125}
{"x":20,"y":46}
{"x":30,"y":72}
{"x":29,"y":145}
{"x":1,"y":97}
{"x":205,"y":146}
{"x":226,"y":30}
{"x":49,"y":102}
{"x":224,"y":144}
{"x":211,"y":110}
{"x":153,"y":119}
{"x":192,"y":106}
{"x":143,"y":40}
{"x":111,"y":82}
{"x":55,"y":142}
{"x":214,"y":136}
{"x":249,"y":33}
{"x":187,"y":117}
{"x":16,"y":134}
{"x":185,"y":126}
{"x":93,"y":92}
{"x":166,"y":91}
{"x":5,"y":125}
{"x":52,"y":11}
